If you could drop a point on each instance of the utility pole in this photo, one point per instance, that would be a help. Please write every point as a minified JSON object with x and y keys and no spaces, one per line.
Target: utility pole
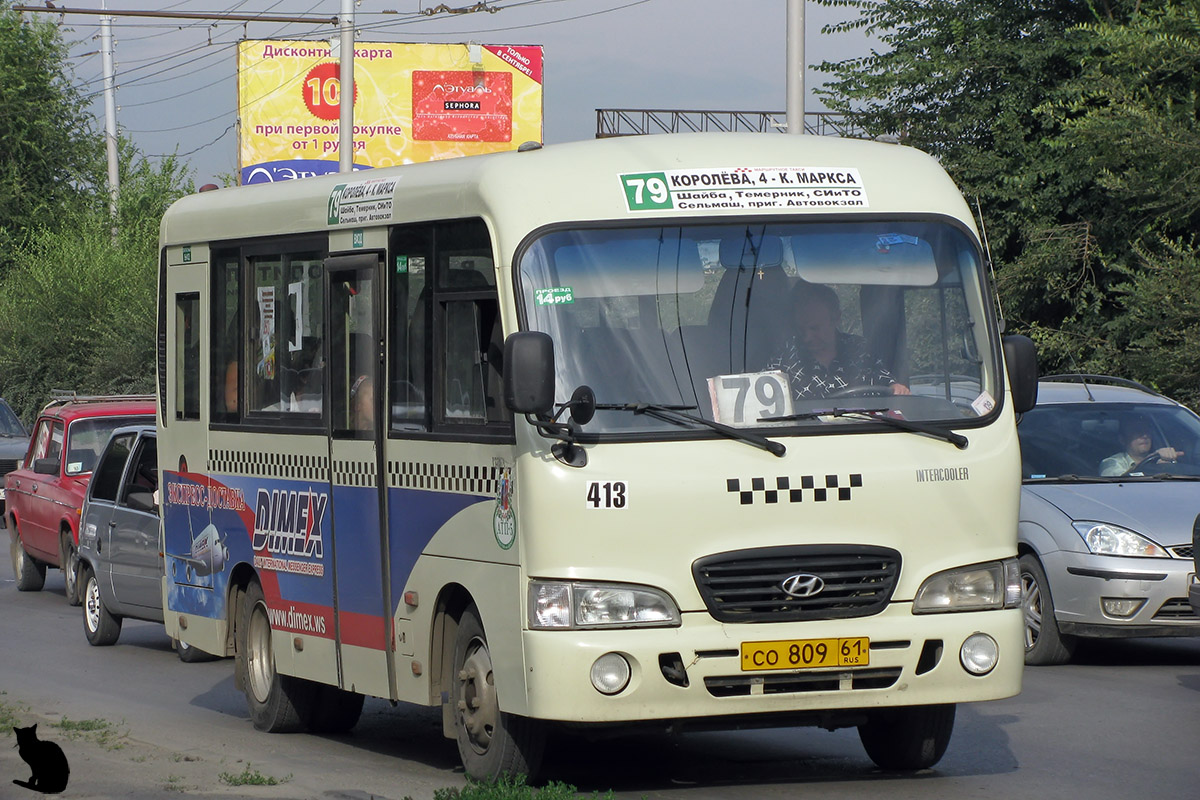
{"x":110,"y":116}
{"x":346,"y":101}
{"x":795,"y":66}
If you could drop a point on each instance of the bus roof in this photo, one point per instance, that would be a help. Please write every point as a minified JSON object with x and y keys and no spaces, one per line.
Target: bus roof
{"x":594,"y":180}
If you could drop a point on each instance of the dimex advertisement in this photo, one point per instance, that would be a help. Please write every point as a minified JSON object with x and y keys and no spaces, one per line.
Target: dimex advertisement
{"x":412,"y":102}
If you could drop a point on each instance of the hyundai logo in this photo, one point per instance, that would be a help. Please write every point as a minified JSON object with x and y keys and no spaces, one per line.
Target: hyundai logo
{"x":802,"y":585}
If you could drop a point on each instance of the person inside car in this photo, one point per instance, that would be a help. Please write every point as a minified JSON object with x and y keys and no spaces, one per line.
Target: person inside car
{"x":819,"y":359}
{"x":1138,"y":447}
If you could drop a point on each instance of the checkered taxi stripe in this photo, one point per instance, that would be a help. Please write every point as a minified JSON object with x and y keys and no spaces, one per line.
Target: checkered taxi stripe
{"x":452,"y":478}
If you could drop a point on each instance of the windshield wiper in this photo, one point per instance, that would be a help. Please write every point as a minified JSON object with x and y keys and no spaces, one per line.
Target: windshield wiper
{"x":678,"y":415}
{"x":877,"y":415}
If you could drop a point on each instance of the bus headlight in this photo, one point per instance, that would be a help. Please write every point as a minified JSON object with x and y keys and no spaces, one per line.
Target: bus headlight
{"x":996,"y":584}
{"x":557,"y":605}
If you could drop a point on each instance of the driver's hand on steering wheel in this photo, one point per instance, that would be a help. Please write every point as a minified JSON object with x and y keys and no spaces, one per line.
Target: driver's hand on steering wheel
{"x":1168,"y":454}
{"x":900,"y":388}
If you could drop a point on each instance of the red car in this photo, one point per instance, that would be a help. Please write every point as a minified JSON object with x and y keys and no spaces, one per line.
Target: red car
{"x":45,"y":493}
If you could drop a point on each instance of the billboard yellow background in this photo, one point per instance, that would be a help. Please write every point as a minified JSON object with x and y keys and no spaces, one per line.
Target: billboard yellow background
{"x":288,"y":95}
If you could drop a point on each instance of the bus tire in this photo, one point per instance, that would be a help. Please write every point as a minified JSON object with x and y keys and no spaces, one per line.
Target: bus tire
{"x":491,"y":743}
{"x":277,"y":703}
{"x":99,"y":626}
{"x":1044,"y":644}
{"x":334,"y":710}
{"x":908,"y":738}
{"x":30,"y":575}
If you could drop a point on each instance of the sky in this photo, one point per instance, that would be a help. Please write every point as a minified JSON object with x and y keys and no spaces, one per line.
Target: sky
{"x":176,"y":90}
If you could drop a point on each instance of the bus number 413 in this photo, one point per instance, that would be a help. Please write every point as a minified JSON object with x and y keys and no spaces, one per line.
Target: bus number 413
{"x":606,"y":494}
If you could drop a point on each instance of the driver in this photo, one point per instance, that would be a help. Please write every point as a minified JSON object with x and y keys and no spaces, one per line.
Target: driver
{"x":1137,"y":443}
{"x":821,"y":360}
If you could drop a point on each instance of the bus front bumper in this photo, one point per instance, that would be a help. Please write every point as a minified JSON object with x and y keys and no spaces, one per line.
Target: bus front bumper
{"x":696,"y":670}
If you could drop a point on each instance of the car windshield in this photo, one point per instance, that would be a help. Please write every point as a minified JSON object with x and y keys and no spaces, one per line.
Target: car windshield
{"x":1109,"y":441}
{"x":765,"y":325}
{"x":86,"y":439}
{"x":9,"y":424}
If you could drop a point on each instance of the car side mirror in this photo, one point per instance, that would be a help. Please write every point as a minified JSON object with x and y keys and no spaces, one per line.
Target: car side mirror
{"x":140,"y":501}
{"x":1020,"y":358}
{"x":529,"y":373}
{"x":46,"y":466}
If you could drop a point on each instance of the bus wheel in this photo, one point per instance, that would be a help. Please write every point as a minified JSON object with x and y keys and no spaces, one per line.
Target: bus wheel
{"x":277,"y":703}
{"x":908,"y":738}
{"x":30,"y":575}
{"x":334,"y":710}
{"x":491,"y":742}
{"x":100,"y":627}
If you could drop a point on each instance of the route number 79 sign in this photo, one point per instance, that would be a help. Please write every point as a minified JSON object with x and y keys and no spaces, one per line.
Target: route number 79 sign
{"x":742,"y":400}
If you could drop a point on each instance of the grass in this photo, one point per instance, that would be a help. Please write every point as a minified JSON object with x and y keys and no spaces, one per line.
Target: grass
{"x":8,"y":716}
{"x":515,"y":788}
{"x":252,"y":777}
{"x":100,"y":731}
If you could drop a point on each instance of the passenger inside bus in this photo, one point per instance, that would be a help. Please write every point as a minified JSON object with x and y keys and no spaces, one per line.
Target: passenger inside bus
{"x":362,"y":403}
{"x":821,"y":360}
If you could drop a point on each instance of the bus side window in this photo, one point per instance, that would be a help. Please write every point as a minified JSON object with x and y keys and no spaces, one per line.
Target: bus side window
{"x":226,"y":330}
{"x":474,"y":351}
{"x":411,"y":249}
{"x":187,"y":356}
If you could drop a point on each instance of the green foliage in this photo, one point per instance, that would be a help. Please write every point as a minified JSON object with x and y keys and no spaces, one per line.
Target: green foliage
{"x":514,"y":788}
{"x":1074,"y":126}
{"x":78,"y":306}
{"x":252,"y":777}
{"x":102,"y":732}
{"x":52,"y":156}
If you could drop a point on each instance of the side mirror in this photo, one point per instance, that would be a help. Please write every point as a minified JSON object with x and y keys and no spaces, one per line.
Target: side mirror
{"x":140,"y":501}
{"x":46,"y":466}
{"x":529,"y":373}
{"x":1020,"y":358}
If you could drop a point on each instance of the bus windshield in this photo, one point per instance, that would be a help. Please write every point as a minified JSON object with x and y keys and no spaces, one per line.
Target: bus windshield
{"x":765,"y":325}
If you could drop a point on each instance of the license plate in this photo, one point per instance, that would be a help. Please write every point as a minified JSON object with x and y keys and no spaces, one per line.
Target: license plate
{"x":806,"y":653}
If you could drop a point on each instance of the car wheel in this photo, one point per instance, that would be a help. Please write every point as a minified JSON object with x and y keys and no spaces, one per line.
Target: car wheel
{"x":909,"y":738}
{"x":1044,"y":645}
{"x":491,"y":742}
{"x":31,"y":576}
{"x":335,"y":710}
{"x":192,"y":655}
{"x":277,"y":703}
{"x":70,"y":568}
{"x":100,"y":627}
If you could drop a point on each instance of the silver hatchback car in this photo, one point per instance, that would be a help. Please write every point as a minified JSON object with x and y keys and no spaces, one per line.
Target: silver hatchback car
{"x":1110,"y":495}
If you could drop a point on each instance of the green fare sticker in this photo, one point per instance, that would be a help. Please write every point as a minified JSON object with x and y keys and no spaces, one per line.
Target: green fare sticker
{"x":554,"y":297}
{"x":647,"y":191}
{"x":401,"y":265}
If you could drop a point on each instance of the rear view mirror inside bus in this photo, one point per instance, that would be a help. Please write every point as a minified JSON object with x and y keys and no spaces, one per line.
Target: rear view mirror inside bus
{"x":529,"y":373}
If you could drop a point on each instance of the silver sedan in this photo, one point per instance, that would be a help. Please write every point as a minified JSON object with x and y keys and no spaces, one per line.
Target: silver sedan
{"x":1110,"y":496}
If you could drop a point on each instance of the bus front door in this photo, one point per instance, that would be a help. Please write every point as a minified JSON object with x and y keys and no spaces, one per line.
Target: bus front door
{"x":361,"y":600}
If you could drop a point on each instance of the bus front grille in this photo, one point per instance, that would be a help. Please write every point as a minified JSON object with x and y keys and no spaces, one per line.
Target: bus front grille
{"x":794,"y":682}
{"x":803,"y":582}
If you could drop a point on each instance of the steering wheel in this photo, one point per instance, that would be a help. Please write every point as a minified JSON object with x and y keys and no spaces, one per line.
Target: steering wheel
{"x":1154,"y":459}
{"x":862,"y":390}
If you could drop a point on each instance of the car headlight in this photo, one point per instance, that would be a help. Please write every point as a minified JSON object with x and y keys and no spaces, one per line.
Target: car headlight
{"x":1113,"y":540}
{"x":996,"y":584}
{"x":558,"y":605}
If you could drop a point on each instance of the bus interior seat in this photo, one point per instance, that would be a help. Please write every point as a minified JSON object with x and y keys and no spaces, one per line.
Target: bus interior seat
{"x":751,"y":306}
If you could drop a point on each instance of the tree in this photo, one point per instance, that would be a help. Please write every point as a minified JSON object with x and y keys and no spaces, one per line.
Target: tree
{"x":1066,"y":121}
{"x":52,"y":156}
{"x":78,"y":309}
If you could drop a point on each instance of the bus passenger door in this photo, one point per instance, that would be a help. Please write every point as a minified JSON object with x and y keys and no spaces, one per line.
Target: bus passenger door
{"x":359,"y":541}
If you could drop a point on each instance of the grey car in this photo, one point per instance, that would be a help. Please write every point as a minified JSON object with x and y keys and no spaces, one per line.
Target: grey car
{"x":14,"y":441}
{"x":120,"y":555}
{"x":1110,"y":495}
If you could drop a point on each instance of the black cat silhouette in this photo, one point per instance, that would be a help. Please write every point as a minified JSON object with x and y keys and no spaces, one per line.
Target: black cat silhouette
{"x":46,"y":759}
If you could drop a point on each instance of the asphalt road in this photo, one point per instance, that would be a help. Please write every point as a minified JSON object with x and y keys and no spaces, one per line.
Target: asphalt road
{"x":1122,"y":721}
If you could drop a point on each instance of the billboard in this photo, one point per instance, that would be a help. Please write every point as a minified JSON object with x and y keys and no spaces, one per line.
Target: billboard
{"x":412,"y":102}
